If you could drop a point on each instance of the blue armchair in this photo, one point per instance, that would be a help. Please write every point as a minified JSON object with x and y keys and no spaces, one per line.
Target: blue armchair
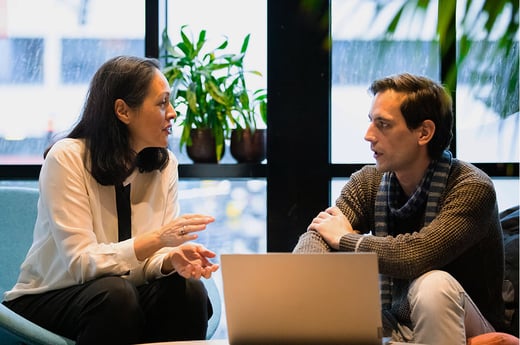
{"x":18,"y":210}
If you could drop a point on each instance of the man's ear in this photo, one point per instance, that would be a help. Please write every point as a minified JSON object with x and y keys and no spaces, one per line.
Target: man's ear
{"x":121,"y":110}
{"x":426,"y":131}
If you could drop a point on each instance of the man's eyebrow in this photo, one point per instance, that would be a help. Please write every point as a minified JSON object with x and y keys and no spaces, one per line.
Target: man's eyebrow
{"x":381,"y":117}
{"x":376,"y":116}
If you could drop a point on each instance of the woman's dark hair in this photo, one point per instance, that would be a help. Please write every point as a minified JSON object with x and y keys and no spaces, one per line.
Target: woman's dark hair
{"x":110,"y":157}
{"x":425,"y":100}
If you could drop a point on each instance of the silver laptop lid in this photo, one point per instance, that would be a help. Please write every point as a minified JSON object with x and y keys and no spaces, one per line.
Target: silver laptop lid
{"x":285,"y":298}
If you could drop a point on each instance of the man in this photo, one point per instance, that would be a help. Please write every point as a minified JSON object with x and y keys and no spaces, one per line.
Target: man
{"x":432,"y":220}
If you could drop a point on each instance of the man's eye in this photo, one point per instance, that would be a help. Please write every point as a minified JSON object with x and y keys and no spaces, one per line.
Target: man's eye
{"x":382,"y":124}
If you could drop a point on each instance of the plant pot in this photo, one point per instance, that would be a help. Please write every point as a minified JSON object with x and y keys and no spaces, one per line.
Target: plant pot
{"x":247,"y":147}
{"x":203,"y":147}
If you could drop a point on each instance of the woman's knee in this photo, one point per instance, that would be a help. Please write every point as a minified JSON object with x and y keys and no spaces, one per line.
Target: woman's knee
{"x":113,"y":295}
{"x":193,"y":290}
{"x":114,"y":299}
{"x":196,"y":289}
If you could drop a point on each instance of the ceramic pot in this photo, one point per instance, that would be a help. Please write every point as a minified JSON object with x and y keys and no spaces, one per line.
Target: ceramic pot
{"x":247,"y":147}
{"x":202,"y":148}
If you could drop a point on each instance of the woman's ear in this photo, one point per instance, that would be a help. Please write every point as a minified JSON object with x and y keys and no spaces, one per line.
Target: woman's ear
{"x":426,"y":131}
{"x":121,"y":110}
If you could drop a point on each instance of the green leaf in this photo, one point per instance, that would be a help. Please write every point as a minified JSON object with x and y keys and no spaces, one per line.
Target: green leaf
{"x":215,"y":92}
{"x":245,"y":44}
{"x":191,"y":97}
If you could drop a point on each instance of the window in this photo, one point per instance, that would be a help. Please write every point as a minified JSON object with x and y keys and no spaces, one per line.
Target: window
{"x":46,"y":64}
{"x":487,"y":120}
{"x":487,"y":117}
{"x":362,"y":53}
{"x":219,"y":23}
{"x":487,"y":87}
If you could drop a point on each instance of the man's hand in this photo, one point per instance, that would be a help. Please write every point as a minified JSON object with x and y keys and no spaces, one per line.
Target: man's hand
{"x":331,"y":224}
{"x":190,"y":260}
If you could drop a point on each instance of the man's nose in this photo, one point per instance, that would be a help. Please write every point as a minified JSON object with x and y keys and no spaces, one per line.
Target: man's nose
{"x":369,"y":134}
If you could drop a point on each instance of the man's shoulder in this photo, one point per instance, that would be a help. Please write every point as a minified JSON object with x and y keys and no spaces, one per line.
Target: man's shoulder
{"x":466,"y":171}
{"x":368,"y":171}
{"x":465,"y":176}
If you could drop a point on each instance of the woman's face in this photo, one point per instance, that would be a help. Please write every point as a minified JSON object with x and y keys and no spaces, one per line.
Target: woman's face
{"x":149,"y":124}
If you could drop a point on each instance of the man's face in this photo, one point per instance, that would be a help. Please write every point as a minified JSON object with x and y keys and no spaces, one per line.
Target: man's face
{"x":396,"y":148}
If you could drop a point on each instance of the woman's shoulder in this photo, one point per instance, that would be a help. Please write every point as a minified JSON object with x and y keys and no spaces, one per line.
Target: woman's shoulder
{"x":172,"y":156}
{"x":67,"y":148}
{"x":68,"y":144}
{"x":173,"y":163}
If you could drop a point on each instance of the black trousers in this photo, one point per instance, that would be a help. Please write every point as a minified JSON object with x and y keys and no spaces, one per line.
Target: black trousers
{"x":111,"y":310}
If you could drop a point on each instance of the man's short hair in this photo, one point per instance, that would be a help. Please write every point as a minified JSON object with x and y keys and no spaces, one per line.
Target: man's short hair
{"x":425,"y":100}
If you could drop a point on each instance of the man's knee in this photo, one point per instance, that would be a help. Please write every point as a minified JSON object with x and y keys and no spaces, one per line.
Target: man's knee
{"x":434,"y":289}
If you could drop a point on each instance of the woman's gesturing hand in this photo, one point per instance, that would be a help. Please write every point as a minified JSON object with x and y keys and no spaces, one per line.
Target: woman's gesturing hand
{"x":190,"y":260}
{"x":182,"y":229}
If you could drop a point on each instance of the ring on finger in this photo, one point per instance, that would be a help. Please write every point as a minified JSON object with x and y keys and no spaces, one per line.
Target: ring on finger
{"x":182,"y":232}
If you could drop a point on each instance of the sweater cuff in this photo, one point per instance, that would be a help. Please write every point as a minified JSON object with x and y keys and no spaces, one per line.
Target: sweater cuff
{"x":311,"y":242}
{"x":350,"y":242}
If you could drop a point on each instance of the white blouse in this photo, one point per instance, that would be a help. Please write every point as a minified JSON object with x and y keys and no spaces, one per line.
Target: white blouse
{"x":76,"y":235}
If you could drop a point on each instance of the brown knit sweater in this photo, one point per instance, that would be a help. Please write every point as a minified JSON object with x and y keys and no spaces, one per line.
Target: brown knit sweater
{"x":465,"y":239}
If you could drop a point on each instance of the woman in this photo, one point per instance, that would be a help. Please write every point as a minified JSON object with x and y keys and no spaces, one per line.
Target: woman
{"x":79,"y":279}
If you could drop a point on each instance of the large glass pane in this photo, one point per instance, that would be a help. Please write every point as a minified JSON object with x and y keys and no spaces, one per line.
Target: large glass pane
{"x":362,"y":51}
{"x":50,"y":50}
{"x":487,"y":84}
{"x":214,"y":16}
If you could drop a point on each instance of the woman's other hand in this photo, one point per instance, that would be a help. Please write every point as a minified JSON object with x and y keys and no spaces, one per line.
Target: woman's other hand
{"x":173,"y":234}
{"x":190,"y":260}
{"x":182,"y":229}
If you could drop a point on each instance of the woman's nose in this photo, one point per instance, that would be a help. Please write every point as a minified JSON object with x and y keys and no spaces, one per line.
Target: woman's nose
{"x":172,"y":114}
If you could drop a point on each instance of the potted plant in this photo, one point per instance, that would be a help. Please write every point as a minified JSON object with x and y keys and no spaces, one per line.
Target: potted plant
{"x":248,"y":142}
{"x":207,"y":91}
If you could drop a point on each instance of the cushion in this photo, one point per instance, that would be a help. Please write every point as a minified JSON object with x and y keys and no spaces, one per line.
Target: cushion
{"x":494,"y":338}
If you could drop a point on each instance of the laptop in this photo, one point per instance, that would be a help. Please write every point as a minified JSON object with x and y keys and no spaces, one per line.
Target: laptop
{"x":286,"y":298}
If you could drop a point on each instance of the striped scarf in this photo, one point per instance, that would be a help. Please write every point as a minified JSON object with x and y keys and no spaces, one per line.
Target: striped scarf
{"x":428,"y":191}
